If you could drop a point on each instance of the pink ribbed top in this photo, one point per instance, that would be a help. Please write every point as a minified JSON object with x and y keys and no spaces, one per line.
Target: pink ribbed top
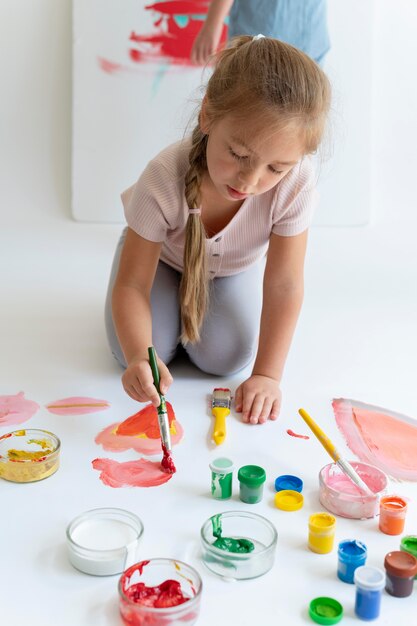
{"x":155,"y":208}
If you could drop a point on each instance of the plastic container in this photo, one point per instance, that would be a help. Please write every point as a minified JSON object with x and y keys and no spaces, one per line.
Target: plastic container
{"x":152,"y":573}
{"x":240,"y":525}
{"x":221,"y":478}
{"x":369,"y":582}
{"x":289,"y":500}
{"x":325,"y":610}
{"x":251,"y":479}
{"x":288,"y":482}
{"x":409,"y":544}
{"x":29,"y":455}
{"x":401,"y":567}
{"x":351,"y":555}
{"x":339,"y":495}
{"x":321,"y":531}
{"x":392,"y":514}
{"x":104,"y":542}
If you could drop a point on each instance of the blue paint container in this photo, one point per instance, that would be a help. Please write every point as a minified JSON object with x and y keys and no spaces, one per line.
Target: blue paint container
{"x":369,"y":581}
{"x":351,"y":554}
{"x":287,"y":481}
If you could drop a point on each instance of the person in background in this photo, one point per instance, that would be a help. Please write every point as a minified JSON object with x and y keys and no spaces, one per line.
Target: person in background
{"x":190,"y":267}
{"x":302,"y":23}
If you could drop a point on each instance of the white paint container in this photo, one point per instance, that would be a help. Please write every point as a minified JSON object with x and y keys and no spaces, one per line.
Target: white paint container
{"x":104,"y":542}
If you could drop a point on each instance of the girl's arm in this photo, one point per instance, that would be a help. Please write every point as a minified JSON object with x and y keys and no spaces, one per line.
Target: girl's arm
{"x":259,"y":397}
{"x":132,"y":316}
{"x":207,"y":40}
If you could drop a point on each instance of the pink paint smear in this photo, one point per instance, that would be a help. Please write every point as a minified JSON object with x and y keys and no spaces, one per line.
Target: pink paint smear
{"x":16,"y":409}
{"x":141,"y":473}
{"x":293,"y":434}
{"x":380,"y":437}
{"x":77,"y":405}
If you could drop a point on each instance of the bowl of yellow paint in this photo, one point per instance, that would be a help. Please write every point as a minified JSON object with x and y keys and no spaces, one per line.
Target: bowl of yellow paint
{"x":28,"y":455}
{"x":238,"y":545}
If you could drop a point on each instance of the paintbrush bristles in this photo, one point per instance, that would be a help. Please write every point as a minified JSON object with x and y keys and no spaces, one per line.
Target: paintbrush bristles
{"x":222,"y":397}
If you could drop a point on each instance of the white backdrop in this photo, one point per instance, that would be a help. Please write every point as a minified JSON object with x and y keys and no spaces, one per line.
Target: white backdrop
{"x":123,"y":117}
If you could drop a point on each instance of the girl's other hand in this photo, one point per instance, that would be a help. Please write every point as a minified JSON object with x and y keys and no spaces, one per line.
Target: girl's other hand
{"x":138,"y":383}
{"x":258,"y":399}
{"x":205,"y":44}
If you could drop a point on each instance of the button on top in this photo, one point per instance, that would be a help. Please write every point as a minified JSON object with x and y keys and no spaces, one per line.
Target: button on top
{"x":215,"y":254}
{"x":218,"y":239}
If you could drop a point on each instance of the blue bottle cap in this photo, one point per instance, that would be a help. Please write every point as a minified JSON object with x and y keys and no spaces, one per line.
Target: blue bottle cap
{"x":288,"y":482}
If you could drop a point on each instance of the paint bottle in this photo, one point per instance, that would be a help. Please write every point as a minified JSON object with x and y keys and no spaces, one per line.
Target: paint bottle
{"x":321,"y":527}
{"x":401,"y":567}
{"x":409,"y":544}
{"x":221,"y":478}
{"x":351,"y":554}
{"x":251,"y":480}
{"x":369,"y":582}
{"x":392,"y":513}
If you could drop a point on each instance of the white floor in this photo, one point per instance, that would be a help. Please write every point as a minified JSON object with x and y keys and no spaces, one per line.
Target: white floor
{"x":356,"y":338}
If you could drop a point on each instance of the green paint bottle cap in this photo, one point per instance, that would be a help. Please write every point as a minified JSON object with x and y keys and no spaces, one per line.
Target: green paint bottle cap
{"x":252,"y":475}
{"x":325,"y":610}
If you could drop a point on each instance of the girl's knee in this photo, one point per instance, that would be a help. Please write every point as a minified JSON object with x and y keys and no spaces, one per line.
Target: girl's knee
{"x":222,"y":362}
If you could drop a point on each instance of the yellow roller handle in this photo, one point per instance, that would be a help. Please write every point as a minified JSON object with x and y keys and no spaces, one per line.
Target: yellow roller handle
{"x":219,"y":428}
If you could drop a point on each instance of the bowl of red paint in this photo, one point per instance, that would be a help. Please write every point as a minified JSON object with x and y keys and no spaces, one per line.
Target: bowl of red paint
{"x":340,"y":496}
{"x":160,"y":592}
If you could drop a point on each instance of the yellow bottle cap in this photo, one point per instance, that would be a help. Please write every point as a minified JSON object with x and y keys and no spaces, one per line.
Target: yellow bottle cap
{"x":289,"y":500}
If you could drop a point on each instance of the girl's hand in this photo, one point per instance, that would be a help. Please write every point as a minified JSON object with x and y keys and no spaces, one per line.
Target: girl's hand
{"x":205,"y":44}
{"x":138,"y":383}
{"x":258,"y":398}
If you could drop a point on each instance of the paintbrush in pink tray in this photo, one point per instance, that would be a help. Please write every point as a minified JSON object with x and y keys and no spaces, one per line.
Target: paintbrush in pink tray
{"x":344,"y":465}
{"x":167,"y":462}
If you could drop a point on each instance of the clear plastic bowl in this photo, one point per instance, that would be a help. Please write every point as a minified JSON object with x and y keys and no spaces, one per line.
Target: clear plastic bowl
{"x":240,"y":525}
{"x":341,"y":497}
{"x":28,"y":455}
{"x":104,"y":542}
{"x":152,"y":573}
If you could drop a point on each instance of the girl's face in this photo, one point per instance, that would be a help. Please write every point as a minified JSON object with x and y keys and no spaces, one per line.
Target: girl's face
{"x":245,"y":159}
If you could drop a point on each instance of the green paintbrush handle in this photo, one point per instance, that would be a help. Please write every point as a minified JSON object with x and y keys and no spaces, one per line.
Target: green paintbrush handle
{"x":154,"y":367}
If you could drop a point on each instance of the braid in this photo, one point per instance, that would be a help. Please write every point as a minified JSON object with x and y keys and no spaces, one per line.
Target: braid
{"x":194,"y":282}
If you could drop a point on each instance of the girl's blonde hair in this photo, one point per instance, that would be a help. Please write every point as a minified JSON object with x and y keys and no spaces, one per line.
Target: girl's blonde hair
{"x":280,"y":84}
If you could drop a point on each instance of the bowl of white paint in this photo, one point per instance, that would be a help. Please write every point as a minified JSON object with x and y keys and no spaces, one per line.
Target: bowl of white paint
{"x":104,"y":542}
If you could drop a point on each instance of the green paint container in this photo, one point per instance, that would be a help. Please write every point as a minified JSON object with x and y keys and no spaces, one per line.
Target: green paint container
{"x":409,"y":544}
{"x":251,"y":479}
{"x":221,"y":478}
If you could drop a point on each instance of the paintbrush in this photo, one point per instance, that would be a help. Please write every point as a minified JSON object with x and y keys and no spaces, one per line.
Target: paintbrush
{"x":163,"y":422}
{"x":220,"y":408}
{"x":344,"y":465}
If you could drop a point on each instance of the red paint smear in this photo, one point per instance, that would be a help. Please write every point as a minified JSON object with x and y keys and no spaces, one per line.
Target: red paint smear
{"x":179,"y":7}
{"x":171,"y":43}
{"x":141,"y":473}
{"x":162,"y":596}
{"x":109,"y":66}
{"x":145,"y":422}
{"x":293,"y":434}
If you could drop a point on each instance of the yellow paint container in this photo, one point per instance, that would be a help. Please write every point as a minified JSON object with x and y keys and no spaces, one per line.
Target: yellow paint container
{"x":321,"y":531}
{"x":28,"y":455}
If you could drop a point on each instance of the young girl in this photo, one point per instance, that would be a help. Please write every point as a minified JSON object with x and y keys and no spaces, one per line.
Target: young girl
{"x":190,"y":265}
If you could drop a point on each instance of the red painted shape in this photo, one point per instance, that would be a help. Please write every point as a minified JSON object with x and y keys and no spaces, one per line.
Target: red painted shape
{"x":293,"y":434}
{"x":144,"y":422}
{"x":142,"y":473}
{"x":179,"y":7}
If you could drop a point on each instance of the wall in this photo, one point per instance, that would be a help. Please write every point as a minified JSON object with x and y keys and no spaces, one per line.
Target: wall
{"x":35,"y":121}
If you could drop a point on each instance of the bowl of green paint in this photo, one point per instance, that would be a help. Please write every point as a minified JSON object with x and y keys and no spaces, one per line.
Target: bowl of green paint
{"x":238,"y":545}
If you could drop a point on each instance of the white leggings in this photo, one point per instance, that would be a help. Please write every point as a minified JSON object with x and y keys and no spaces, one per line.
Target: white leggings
{"x":229,"y":335}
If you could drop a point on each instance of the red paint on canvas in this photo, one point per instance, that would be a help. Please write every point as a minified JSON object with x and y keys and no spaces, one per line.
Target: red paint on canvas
{"x":141,"y":473}
{"x":15,"y":409}
{"x":293,"y":434}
